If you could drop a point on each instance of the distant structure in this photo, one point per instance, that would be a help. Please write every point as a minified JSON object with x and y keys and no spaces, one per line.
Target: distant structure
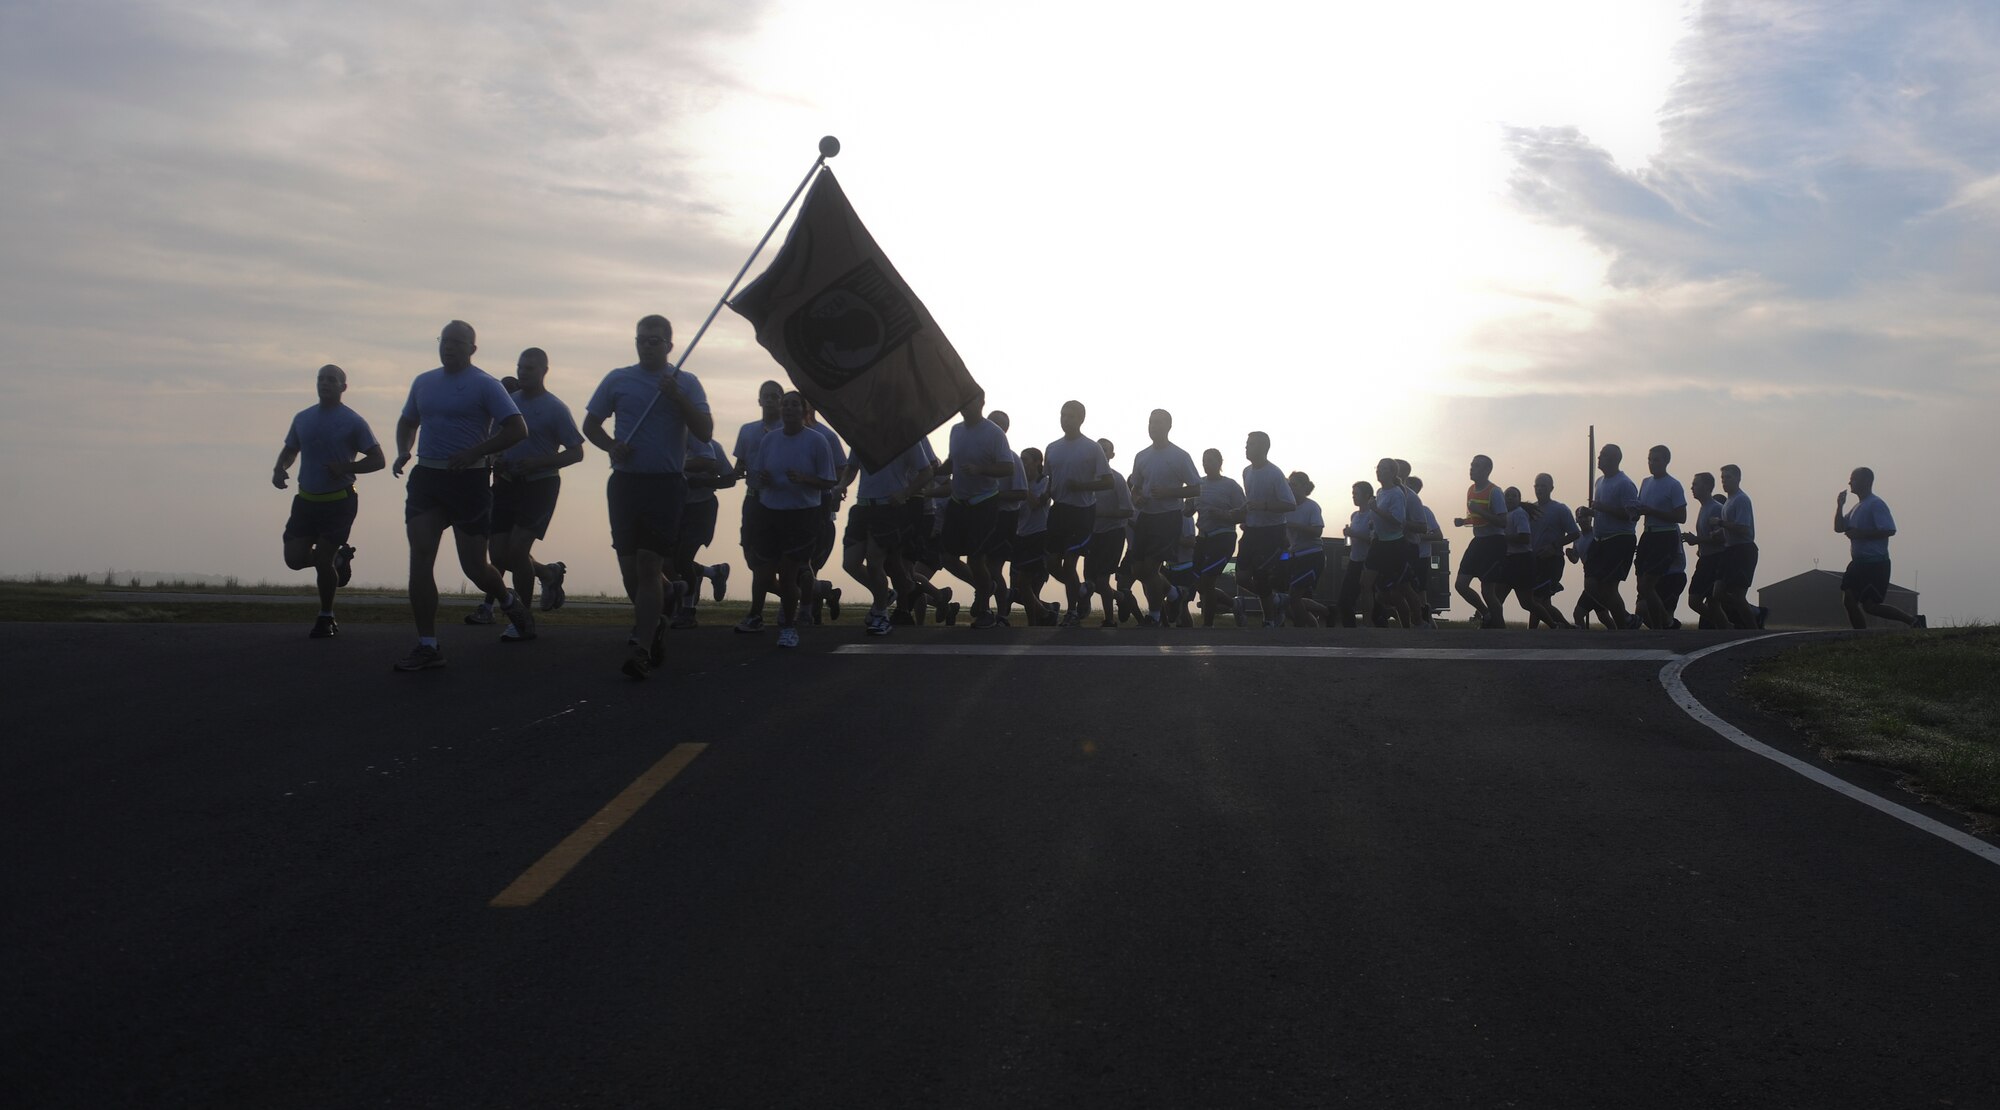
{"x":1812,"y":600}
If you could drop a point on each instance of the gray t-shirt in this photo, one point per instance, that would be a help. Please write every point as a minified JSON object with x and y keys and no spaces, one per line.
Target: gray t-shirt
{"x":1219,"y":495}
{"x":1556,"y":521}
{"x":806,"y":452}
{"x":708,"y":449}
{"x":1666,"y":493}
{"x":659,"y":446}
{"x":1079,"y":459}
{"x":1118,"y":497}
{"x":550,"y":429}
{"x":878,"y":485}
{"x":455,"y":410}
{"x":322,"y":436}
{"x":1617,"y":491}
{"x":980,"y":443}
{"x":1737,"y":510}
{"x":1162,"y":468}
{"x":1267,"y":483}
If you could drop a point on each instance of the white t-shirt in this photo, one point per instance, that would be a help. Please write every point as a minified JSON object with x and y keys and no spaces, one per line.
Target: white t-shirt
{"x":779,"y":454}
{"x":1079,"y":459}
{"x":322,"y":436}
{"x":1520,"y":531}
{"x":1161,"y":468}
{"x":1617,"y":491}
{"x":1303,"y":526}
{"x":981,"y":443}
{"x":1219,"y":495}
{"x":1872,"y":514}
{"x":1035,"y":510}
{"x":1664,"y":492}
{"x":1737,"y":510}
{"x":1361,"y":534}
{"x":455,"y":411}
{"x":550,"y":429}
{"x":1267,"y":483}
{"x":876,"y":485}
{"x":1390,"y":500}
{"x":1555,"y":522}
{"x":1119,"y":496}
{"x":659,"y":446}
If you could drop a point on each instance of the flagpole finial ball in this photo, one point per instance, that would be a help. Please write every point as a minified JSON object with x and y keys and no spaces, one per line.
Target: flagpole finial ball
{"x":829,"y":146}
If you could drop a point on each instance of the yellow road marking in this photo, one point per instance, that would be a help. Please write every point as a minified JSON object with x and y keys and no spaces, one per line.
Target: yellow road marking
{"x":550,"y":869}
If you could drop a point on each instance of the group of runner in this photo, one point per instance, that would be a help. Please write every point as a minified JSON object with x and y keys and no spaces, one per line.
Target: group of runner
{"x":489,"y":454}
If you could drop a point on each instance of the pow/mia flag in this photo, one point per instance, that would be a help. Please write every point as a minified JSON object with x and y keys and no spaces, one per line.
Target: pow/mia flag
{"x":853,"y":337}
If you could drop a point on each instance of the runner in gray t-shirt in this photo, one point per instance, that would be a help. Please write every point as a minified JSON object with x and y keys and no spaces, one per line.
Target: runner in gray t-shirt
{"x":325,"y":440}
{"x":455,"y":408}
{"x":526,"y":485}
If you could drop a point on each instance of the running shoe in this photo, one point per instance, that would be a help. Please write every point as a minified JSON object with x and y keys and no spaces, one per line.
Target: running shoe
{"x":517,"y":611}
{"x":833,"y":603}
{"x":984,"y":620}
{"x":343,"y":565}
{"x":683,"y":619}
{"x":878,"y":624}
{"x":551,"y":576}
{"x":788,"y":637}
{"x":514,"y":634}
{"x":949,"y":613}
{"x":324,"y":628}
{"x":421,"y":658}
{"x":1071,"y":619}
{"x":750,"y":624}
{"x":638,"y":663}
{"x":481,"y":615}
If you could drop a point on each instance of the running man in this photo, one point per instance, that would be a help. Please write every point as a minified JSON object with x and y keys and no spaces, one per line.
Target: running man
{"x":1388,"y":552}
{"x":1219,"y":509}
{"x":1555,"y":529}
{"x":747,"y":439}
{"x":1518,"y":568}
{"x":1663,"y":508}
{"x":324,"y":440}
{"x":1107,"y":542}
{"x":1421,"y":529}
{"x":1706,"y":539}
{"x":1305,"y":554}
{"x":1030,"y":561}
{"x":526,"y":483}
{"x":655,"y":409}
{"x":1864,"y":586}
{"x":1360,"y":530}
{"x":1739,"y":553}
{"x":1078,"y":472}
{"x":1013,"y":497}
{"x":878,"y":529}
{"x":980,"y":459}
{"x":1486,"y":514}
{"x":455,"y":407}
{"x":1267,"y":497}
{"x":1163,"y":479}
{"x":795,"y":469}
{"x":822,"y":592}
{"x":708,"y":470}
{"x":1614,"y":511}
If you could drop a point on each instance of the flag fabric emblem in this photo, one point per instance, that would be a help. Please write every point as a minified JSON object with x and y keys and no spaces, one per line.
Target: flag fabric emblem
{"x":850,"y":333}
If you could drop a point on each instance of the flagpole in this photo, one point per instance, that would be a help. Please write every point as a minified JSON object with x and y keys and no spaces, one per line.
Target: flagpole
{"x":828,"y":147}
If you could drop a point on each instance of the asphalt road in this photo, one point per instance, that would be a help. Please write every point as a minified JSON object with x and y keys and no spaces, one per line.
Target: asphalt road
{"x":247,"y":869}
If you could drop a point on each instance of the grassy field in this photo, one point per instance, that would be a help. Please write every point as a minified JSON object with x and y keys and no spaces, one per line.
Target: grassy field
{"x":1925,"y":705}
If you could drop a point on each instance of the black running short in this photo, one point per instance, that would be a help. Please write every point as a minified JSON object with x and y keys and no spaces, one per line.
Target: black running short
{"x":1154,"y":536}
{"x":698,"y":524}
{"x":1106,"y":551}
{"x":465,"y":497}
{"x":1070,"y":528}
{"x":1485,"y":558}
{"x":968,"y":528}
{"x":328,"y":521}
{"x":521,"y":504}
{"x":1610,"y":558}
{"x":645,"y":511}
{"x":1739,"y":566}
{"x":1868,"y":582}
{"x":1655,"y":553}
{"x":1213,"y":552}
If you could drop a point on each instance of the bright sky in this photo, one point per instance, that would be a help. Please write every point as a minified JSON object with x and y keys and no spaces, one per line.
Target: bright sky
{"x":1760,"y":233}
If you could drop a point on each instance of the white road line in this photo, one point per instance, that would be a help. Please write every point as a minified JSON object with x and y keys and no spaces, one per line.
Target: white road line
{"x":1670,"y":677}
{"x":1266,"y":651}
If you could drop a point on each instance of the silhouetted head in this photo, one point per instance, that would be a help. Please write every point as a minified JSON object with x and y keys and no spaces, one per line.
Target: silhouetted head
{"x":768,"y":396}
{"x":974,"y":409}
{"x":1385,"y":473}
{"x":1862,"y":481}
{"x":1031,"y":462}
{"x":1610,"y":458}
{"x":1363,"y":494}
{"x":1257,"y":447}
{"x":1513,"y":497}
{"x":1302,"y":486}
{"x":1072,"y":417}
{"x":1732,"y":477}
{"x":533,"y":370}
{"x":455,"y":345}
{"x":330,"y":382}
{"x":1544,"y":486}
{"x":1110,"y":452}
{"x":1158,"y":425}
{"x":1657,"y":460}
{"x":1211,"y":463}
{"x":1414,"y":484}
{"x":1482,"y":468}
{"x":792,"y":410}
{"x":654,"y":337}
{"x":1001,"y":420}
{"x":1703,"y":486}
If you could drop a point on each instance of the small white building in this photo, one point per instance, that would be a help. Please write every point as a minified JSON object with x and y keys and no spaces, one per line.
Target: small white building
{"x":1812,"y":600}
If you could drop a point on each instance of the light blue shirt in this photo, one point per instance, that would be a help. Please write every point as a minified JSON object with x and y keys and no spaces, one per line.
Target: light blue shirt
{"x":1219,"y":495}
{"x":805,"y":452}
{"x":706,"y":448}
{"x":1870,"y":513}
{"x":455,"y":411}
{"x":1617,"y":491}
{"x":981,"y":443}
{"x":1267,"y":483}
{"x":876,"y":485}
{"x":1162,"y":468}
{"x":1664,"y":492}
{"x":322,"y":436}
{"x":659,"y":446}
{"x":1738,"y":510}
{"x":550,"y":429}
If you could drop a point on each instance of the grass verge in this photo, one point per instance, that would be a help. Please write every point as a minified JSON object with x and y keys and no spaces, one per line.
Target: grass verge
{"x":92,"y":601}
{"x":1926,"y":705}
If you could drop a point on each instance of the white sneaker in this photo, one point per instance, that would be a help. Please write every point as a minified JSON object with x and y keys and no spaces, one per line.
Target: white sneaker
{"x":481,"y":615}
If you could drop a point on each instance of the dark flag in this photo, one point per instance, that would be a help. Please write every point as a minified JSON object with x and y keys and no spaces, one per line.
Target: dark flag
{"x":850,"y":333}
